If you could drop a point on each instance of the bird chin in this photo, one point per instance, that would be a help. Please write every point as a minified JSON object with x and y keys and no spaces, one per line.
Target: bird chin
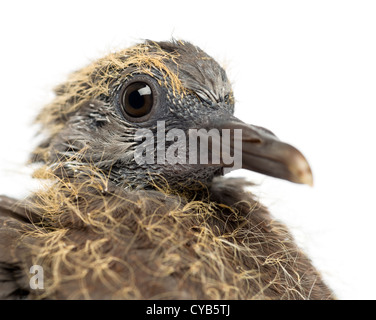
{"x":184,"y":178}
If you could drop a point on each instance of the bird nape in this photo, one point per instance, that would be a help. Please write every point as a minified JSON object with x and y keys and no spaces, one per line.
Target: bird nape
{"x":134,"y":205}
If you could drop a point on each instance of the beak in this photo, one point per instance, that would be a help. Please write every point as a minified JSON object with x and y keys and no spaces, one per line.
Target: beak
{"x":261,"y":151}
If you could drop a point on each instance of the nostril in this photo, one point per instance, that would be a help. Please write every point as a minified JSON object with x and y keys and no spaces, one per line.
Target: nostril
{"x":253,"y":140}
{"x":256,"y":141}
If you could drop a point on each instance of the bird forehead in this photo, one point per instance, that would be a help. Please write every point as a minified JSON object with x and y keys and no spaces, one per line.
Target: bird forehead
{"x":196,"y":70}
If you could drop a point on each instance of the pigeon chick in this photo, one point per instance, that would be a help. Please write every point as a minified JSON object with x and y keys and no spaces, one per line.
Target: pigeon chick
{"x":128,"y":212}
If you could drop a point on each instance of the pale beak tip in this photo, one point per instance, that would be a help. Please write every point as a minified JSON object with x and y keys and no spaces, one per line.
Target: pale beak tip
{"x":302,"y":171}
{"x":308,"y":179}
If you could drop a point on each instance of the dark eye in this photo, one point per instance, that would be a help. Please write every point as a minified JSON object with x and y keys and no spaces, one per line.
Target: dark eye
{"x":137,"y":99}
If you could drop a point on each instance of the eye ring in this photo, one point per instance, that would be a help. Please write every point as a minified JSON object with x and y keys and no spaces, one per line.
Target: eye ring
{"x":138,"y":98}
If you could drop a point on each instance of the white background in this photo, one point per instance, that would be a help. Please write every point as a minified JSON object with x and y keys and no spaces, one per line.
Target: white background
{"x":304,"y":69}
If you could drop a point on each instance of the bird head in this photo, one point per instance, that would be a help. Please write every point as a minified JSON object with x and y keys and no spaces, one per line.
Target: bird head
{"x":142,"y":114}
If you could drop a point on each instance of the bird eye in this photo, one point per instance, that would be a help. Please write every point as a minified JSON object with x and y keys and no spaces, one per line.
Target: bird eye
{"x":137,"y":99}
